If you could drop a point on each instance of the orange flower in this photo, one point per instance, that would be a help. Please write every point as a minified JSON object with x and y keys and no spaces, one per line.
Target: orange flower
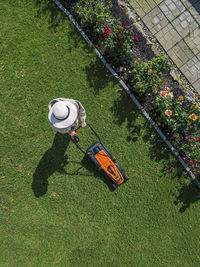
{"x":163,"y":93}
{"x":155,"y":90}
{"x":168,"y":112}
{"x":193,"y":117}
{"x":167,"y":89}
{"x":181,"y":97}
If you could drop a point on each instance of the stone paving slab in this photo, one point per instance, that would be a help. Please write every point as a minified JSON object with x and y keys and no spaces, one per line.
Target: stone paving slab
{"x":185,"y":24}
{"x":189,"y":3}
{"x":155,"y":20}
{"x":191,"y":69}
{"x":168,"y":37}
{"x":195,"y":11}
{"x":158,"y":1}
{"x":172,"y":8}
{"x":193,"y":41}
{"x":196,"y":85}
{"x":176,"y":25}
{"x":180,"y":53}
{"x":137,"y":8}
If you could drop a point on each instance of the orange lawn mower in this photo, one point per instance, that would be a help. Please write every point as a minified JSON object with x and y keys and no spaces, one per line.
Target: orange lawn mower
{"x":105,"y":161}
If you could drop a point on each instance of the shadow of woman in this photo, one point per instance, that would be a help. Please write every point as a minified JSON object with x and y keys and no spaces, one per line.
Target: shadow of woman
{"x":53,"y":160}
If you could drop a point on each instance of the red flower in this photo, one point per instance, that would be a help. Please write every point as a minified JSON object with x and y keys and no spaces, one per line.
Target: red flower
{"x":199,"y":139}
{"x":103,"y":23}
{"x":136,"y":38}
{"x":106,"y":32}
{"x":131,"y":26}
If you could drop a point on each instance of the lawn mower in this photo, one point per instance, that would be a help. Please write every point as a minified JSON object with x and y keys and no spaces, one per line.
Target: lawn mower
{"x":104,"y":160}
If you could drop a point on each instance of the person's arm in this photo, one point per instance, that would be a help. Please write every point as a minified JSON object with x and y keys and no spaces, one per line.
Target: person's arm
{"x":82,"y":113}
{"x":71,"y":132}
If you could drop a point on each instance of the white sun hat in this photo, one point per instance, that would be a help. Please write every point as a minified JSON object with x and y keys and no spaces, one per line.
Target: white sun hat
{"x":62,"y":114}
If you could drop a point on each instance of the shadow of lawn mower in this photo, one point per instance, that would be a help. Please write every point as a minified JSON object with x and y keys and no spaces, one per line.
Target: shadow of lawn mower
{"x":104,"y":161}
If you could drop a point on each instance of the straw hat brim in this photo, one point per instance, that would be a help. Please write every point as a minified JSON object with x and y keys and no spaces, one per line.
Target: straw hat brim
{"x":66,"y":122}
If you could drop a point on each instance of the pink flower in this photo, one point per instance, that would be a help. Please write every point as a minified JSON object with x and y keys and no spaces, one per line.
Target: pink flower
{"x":169,"y":166}
{"x":136,"y":38}
{"x":189,"y":137}
{"x":120,"y":22}
{"x":191,"y":161}
{"x":103,"y":23}
{"x":199,"y":139}
{"x":163,"y":93}
{"x":187,"y":142}
{"x":168,"y":112}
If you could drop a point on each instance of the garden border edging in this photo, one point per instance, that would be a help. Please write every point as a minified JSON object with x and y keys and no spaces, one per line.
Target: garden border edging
{"x":146,"y":115}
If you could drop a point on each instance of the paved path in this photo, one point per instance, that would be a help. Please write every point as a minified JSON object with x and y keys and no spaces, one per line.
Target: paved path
{"x":176,"y":25}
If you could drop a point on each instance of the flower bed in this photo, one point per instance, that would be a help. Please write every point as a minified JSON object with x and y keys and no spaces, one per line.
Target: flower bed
{"x":146,"y":74}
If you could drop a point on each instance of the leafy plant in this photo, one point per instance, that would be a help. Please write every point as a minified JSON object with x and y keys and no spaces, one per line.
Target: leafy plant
{"x":93,"y":13}
{"x":148,"y":76}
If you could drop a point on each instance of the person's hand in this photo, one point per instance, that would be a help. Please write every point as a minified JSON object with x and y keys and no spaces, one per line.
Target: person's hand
{"x":83,"y":124}
{"x":72,"y":133}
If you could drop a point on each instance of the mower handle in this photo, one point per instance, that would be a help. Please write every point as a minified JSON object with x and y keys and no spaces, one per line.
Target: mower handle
{"x":77,"y":130}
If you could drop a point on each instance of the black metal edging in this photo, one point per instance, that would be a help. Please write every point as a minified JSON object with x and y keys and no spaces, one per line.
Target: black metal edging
{"x":191,"y":174}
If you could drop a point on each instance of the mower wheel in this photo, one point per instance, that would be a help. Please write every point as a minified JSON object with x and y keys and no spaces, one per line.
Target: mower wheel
{"x":125,"y":177}
{"x":114,"y":185}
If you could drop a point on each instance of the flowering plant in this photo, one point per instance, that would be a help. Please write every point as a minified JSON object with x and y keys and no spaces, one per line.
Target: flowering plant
{"x":174,"y":112}
{"x":119,"y":39}
{"x":107,"y":31}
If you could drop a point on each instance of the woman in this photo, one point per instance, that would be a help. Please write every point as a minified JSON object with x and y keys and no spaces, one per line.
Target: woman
{"x":64,"y":115}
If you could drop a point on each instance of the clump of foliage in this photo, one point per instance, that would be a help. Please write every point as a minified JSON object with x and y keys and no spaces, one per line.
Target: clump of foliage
{"x":92,"y":13}
{"x":148,"y":76}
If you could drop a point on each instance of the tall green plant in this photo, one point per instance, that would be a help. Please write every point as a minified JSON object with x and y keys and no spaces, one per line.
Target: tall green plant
{"x":148,"y":76}
{"x":93,"y":12}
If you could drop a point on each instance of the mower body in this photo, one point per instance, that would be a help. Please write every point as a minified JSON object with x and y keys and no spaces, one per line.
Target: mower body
{"x":107,"y":163}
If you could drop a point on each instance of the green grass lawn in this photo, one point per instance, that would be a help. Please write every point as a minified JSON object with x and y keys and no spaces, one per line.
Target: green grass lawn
{"x":55,"y":208}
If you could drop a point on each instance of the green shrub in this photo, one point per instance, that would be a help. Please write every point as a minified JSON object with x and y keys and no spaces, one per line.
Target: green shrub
{"x":93,"y":13}
{"x":148,"y":76}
